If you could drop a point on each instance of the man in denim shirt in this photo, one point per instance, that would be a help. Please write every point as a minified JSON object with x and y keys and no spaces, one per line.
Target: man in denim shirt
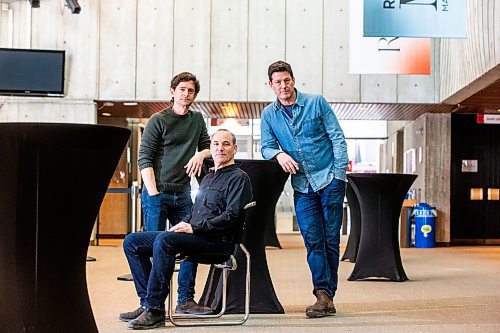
{"x":302,"y":133}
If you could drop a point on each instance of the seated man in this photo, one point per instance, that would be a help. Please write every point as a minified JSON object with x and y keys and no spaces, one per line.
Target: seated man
{"x":211,"y":228}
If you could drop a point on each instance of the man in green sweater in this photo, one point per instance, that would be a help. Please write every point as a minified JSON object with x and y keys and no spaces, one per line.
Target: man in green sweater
{"x":174,"y":144}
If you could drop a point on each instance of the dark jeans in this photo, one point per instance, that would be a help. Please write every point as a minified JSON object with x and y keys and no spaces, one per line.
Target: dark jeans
{"x":319,"y":216}
{"x":174,"y":206}
{"x":152,"y":280}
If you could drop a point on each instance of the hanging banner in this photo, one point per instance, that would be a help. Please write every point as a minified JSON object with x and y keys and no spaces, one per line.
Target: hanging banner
{"x":415,"y":18}
{"x":384,"y":55}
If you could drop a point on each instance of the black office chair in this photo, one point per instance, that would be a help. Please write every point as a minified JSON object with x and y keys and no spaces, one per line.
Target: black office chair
{"x":226,"y":263}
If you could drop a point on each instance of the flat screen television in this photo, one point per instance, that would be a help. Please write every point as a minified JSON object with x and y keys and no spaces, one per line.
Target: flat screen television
{"x":29,"y":72}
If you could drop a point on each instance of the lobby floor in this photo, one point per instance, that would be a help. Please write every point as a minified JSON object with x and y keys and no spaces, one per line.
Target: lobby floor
{"x":452,"y":289}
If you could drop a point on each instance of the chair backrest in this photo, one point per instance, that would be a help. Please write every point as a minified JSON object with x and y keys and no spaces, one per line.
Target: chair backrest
{"x":217,"y":258}
{"x":243,"y":221}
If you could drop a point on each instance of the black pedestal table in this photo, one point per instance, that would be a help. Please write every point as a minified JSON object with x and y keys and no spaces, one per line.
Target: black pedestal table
{"x":53,"y":180}
{"x":352,"y":246}
{"x":380,"y":198}
{"x":268,"y":180}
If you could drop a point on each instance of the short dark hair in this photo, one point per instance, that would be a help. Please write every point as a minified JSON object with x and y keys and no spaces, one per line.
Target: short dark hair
{"x":185,"y":77}
{"x":225,"y":130}
{"x":279,"y":66}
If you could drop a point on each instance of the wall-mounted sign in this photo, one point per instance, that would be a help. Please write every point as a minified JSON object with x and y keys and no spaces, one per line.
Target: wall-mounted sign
{"x":469,"y":165}
{"x":488,"y":118}
{"x":384,"y":55}
{"x":415,"y":18}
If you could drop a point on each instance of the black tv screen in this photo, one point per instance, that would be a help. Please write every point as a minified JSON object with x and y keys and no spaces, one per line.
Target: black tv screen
{"x":31,"y":72}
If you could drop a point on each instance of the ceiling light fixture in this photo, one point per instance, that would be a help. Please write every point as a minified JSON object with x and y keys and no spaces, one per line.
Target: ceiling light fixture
{"x":130,"y":103}
{"x":105,"y":104}
{"x":106,"y":114}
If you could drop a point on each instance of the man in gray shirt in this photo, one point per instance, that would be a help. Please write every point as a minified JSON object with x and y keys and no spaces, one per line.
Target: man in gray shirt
{"x":174,"y":144}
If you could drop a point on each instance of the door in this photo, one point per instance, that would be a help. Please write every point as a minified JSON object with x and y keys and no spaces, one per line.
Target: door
{"x":475,"y":181}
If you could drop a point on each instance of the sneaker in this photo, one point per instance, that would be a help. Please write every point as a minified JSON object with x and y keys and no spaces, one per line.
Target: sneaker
{"x":191,"y":307}
{"x":323,"y":306}
{"x":128,"y":316}
{"x":149,"y":319}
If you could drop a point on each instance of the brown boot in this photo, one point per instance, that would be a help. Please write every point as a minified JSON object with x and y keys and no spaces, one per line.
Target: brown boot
{"x":191,"y":307}
{"x":323,"y":306}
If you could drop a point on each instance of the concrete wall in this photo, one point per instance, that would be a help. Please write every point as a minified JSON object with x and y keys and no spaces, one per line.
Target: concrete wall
{"x":430,"y":137}
{"x":128,"y":50}
{"x":44,"y":110}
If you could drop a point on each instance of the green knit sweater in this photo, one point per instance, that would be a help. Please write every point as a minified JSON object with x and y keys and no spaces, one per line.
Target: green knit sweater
{"x":168,"y":143}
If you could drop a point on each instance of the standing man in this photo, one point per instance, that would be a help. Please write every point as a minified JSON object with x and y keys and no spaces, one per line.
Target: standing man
{"x":301,"y":132}
{"x":211,"y":228}
{"x":173,"y":146}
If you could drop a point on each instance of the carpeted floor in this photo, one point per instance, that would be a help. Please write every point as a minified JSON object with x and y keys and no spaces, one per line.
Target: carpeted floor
{"x":454,"y":289}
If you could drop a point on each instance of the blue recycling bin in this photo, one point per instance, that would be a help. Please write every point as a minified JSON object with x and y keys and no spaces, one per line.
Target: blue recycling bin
{"x":425,"y":222}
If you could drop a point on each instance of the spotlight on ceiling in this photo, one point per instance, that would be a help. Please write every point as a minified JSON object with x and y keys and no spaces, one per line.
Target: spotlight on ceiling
{"x":35,"y":3}
{"x":73,"y":6}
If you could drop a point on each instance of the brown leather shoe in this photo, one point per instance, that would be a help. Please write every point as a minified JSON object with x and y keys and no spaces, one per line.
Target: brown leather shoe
{"x":149,"y":319}
{"x":191,"y":307}
{"x":128,"y":316}
{"x":323,"y":306}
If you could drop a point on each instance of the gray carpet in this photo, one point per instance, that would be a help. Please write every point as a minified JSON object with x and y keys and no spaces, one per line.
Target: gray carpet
{"x":455,"y":289}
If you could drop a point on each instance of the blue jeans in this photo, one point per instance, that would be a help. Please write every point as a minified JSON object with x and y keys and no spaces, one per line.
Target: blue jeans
{"x":319,"y":216}
{"x":152,"y":280}
{"x":174,"y":206}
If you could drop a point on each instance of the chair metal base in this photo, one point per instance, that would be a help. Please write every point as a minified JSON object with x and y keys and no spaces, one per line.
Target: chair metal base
{"x":208,"y":320}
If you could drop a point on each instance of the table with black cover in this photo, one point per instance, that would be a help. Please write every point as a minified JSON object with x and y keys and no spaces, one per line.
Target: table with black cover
{"x":268,"y":180}
{"x":380,"y":197}
{"x":352,"y":246}
{"x":53,"y":179}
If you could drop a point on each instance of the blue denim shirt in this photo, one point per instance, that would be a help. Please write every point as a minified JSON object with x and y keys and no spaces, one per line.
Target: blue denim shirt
{"x":313,"y":138}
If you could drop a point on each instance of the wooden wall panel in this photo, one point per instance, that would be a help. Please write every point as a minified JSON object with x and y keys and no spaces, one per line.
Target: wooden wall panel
{"x":338,"y":84}
{"x":192,"y":42}
{"x":266,"y":44}
{"x":113,"y":215}
{"x":229,"y":50}
{"x":304,"y":43}
{"x":464,"y":60}
{"x":117,"y":49}
{"x":154,"y":49}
